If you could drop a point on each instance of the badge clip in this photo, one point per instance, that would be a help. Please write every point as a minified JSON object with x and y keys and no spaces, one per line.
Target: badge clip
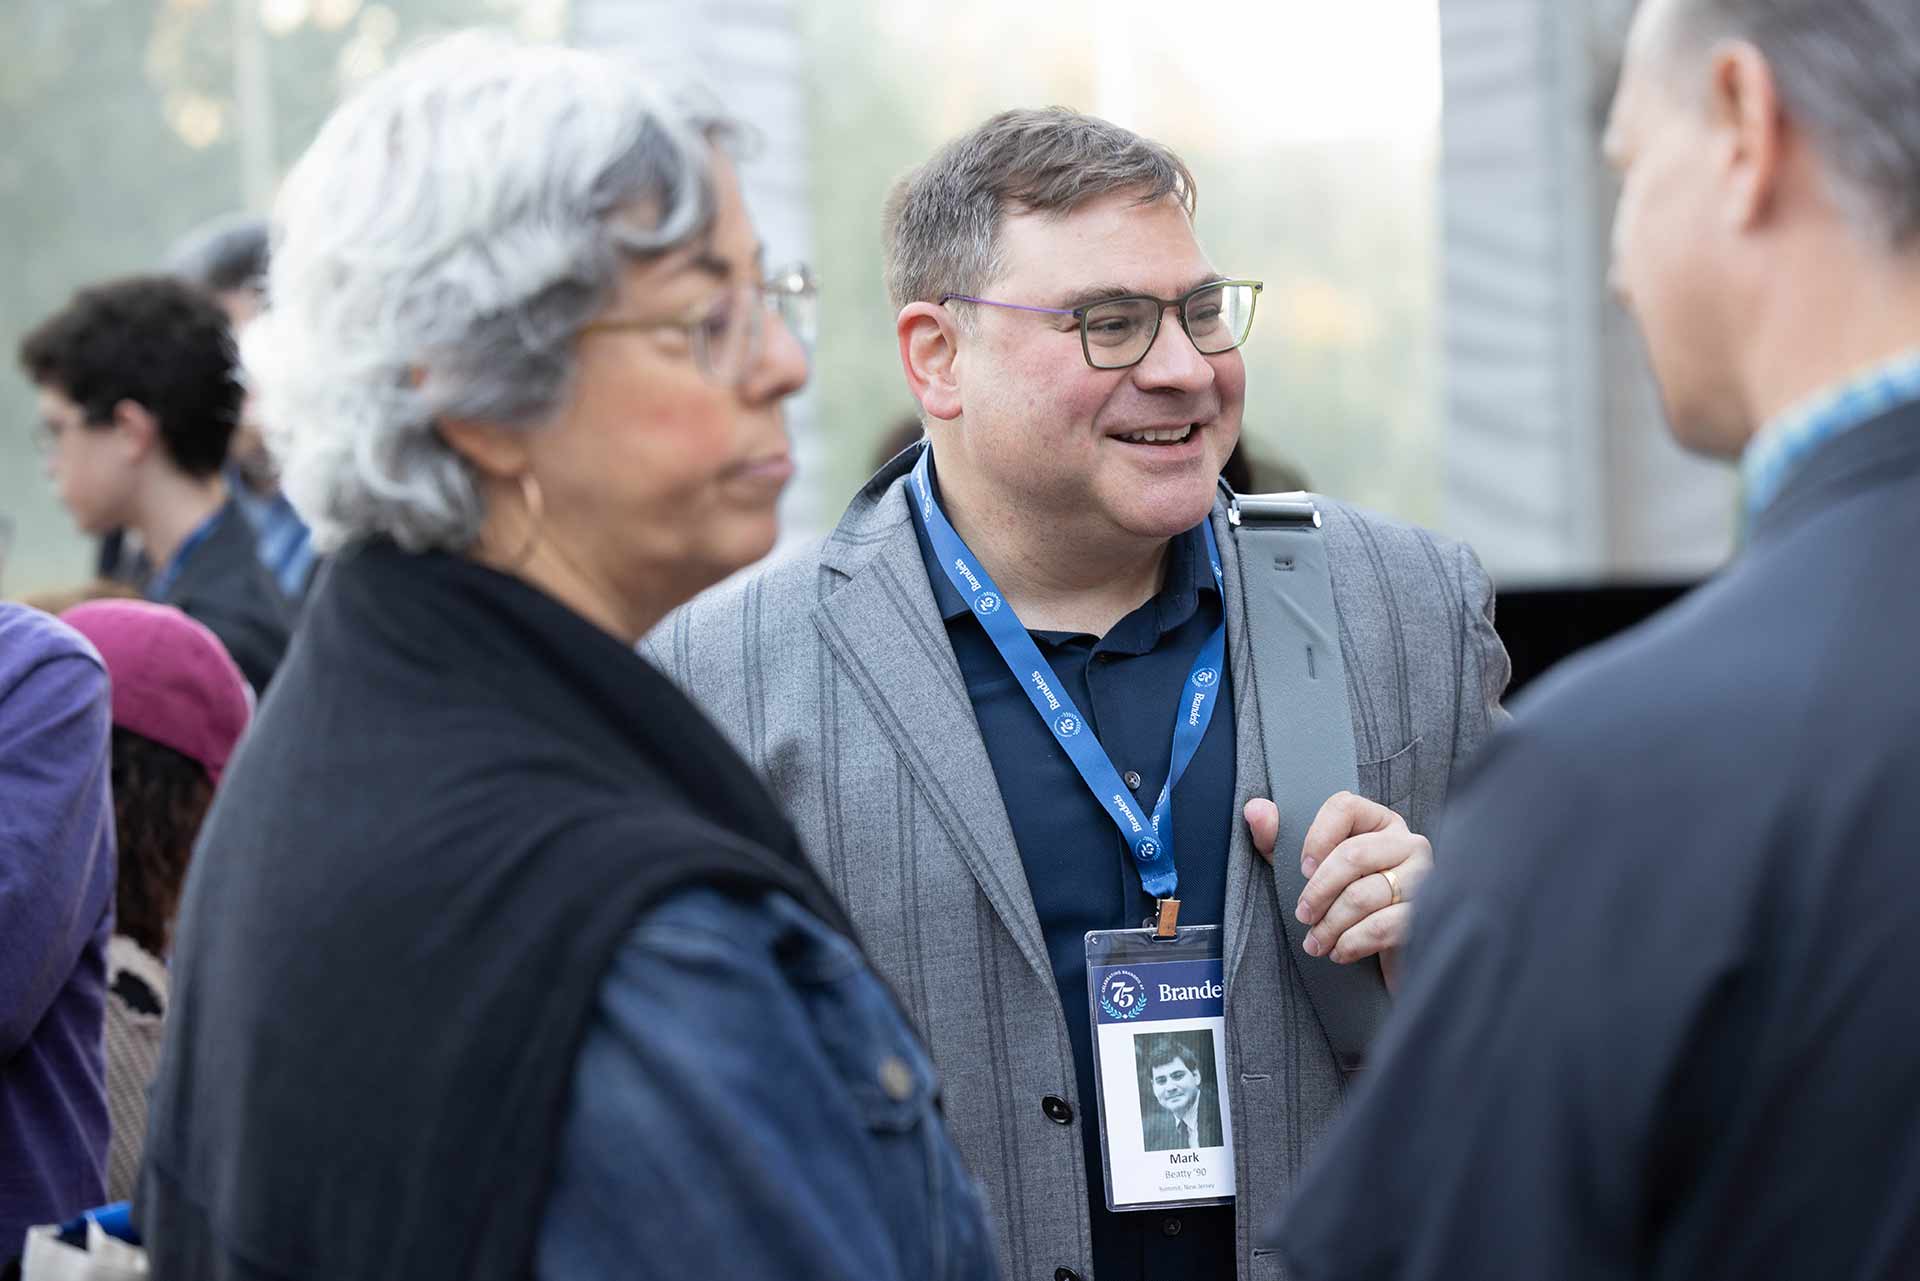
{"x":1168,"y":923}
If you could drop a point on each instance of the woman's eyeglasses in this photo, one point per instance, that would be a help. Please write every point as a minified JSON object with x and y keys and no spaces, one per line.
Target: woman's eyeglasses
{"x":730,"y":335}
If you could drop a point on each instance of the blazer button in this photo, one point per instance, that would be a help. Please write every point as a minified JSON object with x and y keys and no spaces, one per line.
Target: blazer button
{"x":1057,"y":1109}
{"x":1172,"y":1226}
{"x":1065,"y":1274}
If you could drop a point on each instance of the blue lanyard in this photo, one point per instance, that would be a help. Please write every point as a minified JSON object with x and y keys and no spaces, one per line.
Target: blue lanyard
{"x":1149,"y":837}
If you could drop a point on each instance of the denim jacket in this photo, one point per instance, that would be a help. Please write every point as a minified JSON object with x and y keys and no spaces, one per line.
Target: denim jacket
{"x":749,"y":1101}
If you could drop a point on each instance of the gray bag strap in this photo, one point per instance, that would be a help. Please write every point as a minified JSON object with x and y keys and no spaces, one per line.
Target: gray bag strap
{"x":1300,"y":687}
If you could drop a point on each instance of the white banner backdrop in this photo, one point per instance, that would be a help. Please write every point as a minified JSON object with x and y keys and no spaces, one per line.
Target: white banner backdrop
{"x":1559,"y":465}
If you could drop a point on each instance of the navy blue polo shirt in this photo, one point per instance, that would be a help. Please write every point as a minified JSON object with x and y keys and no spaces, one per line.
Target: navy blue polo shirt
{"x":1129,"y":684}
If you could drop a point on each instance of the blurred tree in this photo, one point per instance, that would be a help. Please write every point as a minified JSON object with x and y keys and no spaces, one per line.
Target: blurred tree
{"x":124,"y":121}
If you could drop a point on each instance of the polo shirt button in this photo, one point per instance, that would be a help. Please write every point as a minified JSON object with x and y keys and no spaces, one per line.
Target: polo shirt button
{"x":1172,"y":1226}
{"x":1057,"y":1109}
{"x":1132,"y":779}
{"x":1065,"y":1274}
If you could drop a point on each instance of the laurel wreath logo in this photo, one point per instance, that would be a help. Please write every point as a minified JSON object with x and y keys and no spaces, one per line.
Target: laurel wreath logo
{"x":1123,"y":996}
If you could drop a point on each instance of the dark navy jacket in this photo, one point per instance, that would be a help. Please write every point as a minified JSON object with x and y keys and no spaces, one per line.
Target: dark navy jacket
{"x":1661,"y":1019}
{"x":222,"y":584}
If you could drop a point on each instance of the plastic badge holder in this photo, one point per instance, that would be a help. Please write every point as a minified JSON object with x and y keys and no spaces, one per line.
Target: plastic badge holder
{"x":1160,"y":1067}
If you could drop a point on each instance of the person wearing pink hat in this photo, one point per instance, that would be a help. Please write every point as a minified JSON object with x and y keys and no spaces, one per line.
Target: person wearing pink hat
{"x":180,"y":705}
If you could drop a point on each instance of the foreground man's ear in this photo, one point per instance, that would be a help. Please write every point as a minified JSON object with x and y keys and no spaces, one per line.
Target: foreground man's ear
{"x":1743,"y":106}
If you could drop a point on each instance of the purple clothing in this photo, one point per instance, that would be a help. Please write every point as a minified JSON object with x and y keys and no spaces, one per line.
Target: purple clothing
{"x":56,"y":913}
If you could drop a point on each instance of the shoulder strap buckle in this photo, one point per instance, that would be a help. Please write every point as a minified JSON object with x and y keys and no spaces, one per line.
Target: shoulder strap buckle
{"x":1294,"y":508}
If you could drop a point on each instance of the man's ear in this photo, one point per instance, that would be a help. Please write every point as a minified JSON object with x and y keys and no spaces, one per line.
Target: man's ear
{"x":497,"y":453}
{"x":929,"y":353}
{"x":1743,"y":105}
{"x":136,"y":428}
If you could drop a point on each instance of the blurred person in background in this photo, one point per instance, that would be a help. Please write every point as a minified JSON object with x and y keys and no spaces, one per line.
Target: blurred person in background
{"x":228,"y":258}
{"x":495,"y":959}
{"x":179,"y":707}
{"x":1661,"y":1021}
{"x":56,"y":914}
{"x":1076,"y":357}
{"x":138,"y":397}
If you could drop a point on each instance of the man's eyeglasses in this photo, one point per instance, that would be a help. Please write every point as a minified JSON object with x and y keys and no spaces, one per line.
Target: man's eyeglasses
{"x":729,"y":336}
{"x":1117,"y":333}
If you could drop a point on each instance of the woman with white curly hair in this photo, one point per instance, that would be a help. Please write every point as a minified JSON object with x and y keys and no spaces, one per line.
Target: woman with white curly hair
{"x":496,"y":960}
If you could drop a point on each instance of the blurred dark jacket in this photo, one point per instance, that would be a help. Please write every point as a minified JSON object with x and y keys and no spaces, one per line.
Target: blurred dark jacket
{"x":1660,"y":1019}
{"x":221,"y":583}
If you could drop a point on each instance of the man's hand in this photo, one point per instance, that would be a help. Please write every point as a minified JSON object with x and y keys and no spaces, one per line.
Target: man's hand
{"x":1363,"y":868}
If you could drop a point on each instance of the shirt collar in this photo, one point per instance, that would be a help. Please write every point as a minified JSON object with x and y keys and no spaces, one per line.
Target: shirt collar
{"x":1189,"y":572}
{"x":1777,"y":450}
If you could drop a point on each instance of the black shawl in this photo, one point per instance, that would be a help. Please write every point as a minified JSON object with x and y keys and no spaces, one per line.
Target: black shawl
{"x":455,"y":802}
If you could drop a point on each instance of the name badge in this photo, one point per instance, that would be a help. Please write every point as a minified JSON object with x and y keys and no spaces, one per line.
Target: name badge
{"x":1160,"y":1067}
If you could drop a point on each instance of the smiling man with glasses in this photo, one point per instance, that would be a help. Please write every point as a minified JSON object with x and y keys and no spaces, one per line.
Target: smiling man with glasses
{"x":1076,"y":358}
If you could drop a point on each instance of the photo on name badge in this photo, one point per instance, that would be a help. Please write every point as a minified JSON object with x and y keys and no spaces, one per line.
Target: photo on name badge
{"x":1179,"y":1099}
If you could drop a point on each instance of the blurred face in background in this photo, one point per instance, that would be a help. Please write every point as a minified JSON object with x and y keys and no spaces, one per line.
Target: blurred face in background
{"x":1671,"y":241}
{"x":1062,"y":441}
{"x":91,"y":465}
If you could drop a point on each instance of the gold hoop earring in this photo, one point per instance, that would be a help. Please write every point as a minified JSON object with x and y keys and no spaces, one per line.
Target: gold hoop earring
{"x":535,"y":506}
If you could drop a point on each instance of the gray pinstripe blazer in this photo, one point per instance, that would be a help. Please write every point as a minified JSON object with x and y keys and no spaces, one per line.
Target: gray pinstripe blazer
{"x":832,"y":673}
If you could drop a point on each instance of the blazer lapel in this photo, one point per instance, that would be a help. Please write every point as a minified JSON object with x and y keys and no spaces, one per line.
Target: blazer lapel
{"x":884,"y":629}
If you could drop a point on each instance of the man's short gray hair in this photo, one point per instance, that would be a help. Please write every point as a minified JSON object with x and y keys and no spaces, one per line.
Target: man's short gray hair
{"x":435,"y":253}
{"x":942,"y":220}
{"x":1848,"y":72}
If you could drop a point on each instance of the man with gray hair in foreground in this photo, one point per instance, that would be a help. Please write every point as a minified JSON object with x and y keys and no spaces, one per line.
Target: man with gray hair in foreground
{"x":1661,"y":1020}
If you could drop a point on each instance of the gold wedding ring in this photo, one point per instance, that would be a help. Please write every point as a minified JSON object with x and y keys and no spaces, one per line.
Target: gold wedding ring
{"x":1393,"y":886}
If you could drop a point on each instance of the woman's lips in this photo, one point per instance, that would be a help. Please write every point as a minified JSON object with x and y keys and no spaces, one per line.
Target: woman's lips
{"x":772,"y":470}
